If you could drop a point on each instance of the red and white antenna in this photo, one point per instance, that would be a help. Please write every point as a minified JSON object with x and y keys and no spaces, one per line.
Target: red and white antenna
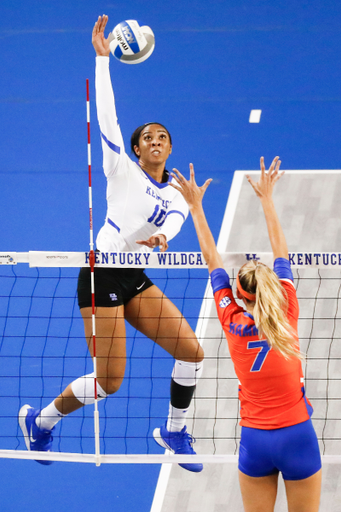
{"x":92,"y":269}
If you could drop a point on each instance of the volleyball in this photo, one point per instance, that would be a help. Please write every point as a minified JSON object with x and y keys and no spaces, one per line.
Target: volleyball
{"x":131,"y":43}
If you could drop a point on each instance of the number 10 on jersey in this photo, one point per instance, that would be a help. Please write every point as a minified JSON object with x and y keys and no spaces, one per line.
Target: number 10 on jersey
{"x":158,"y":216}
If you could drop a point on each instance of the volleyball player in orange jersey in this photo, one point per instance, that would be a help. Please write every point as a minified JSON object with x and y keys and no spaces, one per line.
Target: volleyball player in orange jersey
{"x":277,"y":432}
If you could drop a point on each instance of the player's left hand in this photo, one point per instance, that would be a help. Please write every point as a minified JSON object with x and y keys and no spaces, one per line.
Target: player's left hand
{"x":155,"y":241}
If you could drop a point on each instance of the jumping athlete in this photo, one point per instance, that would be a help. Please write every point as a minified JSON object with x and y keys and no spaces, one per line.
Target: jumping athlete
{"x":277,"y":433}
{"x":143,"y":212}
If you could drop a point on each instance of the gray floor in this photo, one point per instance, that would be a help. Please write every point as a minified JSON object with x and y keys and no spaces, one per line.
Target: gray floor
{"x":309,"y":209}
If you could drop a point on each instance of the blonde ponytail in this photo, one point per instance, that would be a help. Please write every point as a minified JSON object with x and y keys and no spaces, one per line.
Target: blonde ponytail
{"x":270,"y":308}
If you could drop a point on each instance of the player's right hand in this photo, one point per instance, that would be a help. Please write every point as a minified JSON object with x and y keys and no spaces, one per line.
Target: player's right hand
{"x":264,"y":186}
{"x":190,"y":191}
{"x":100,"y":43}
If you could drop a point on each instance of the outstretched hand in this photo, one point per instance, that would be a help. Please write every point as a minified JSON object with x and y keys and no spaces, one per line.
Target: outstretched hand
{"x":100,"y":43}
{"x":264,"y":188}
{"x":188,"y":188}
{"x":267,"y":180}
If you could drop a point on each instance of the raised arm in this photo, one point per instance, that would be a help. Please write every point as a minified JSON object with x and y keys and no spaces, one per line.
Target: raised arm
{"x":193,"y":196}
{"x":112,"y":142}
{"x":264,"y":188}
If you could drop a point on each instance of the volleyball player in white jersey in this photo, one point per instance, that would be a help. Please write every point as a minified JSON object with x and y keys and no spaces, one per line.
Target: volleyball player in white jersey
{"x":143,"y":212}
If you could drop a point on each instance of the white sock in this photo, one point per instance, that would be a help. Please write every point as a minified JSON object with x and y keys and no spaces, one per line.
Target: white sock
{"x":176,"y":419}
{"x":49,"y":417}
{"x":187,"y":374}
{"x":84,"y":389}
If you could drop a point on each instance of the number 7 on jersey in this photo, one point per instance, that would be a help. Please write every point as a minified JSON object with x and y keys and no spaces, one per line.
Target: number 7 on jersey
{"x":261,"y":356}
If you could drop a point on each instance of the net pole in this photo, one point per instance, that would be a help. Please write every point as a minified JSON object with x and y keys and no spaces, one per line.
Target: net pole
{"x":92,"y":274}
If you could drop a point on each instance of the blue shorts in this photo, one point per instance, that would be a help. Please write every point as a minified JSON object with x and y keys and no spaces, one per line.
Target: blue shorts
{"x":293,"y":451}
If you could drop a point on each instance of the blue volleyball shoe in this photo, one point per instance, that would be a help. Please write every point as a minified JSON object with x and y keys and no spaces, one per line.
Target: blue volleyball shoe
{"x":36,"y":439}
{"x":180,"y":443}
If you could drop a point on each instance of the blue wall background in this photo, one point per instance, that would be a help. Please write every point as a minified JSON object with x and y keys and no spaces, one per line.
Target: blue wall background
{"x":213,"y":63}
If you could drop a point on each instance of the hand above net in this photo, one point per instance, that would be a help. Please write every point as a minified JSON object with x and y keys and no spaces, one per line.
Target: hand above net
{"x":265,"y":185}
{"x":264,"y":188}
{"x":100,"y":43}
{"x":188,"y":188}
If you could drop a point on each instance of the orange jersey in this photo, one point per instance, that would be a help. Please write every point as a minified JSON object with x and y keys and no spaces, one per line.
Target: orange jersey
{"x":271,"y":390}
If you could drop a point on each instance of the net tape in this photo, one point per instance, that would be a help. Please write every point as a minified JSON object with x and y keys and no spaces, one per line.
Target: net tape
{"x":163,"y":260}
{"x":135,"y":458}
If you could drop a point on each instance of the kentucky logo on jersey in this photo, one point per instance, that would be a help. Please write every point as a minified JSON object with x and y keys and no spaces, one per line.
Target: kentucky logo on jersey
{"x":226,"y":301}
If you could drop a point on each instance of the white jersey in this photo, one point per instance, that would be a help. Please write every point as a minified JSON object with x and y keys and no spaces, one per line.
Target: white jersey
{"x":137,"y":206}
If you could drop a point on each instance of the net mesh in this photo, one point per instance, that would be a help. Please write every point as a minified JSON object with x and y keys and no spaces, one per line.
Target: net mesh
{"x":43,"y":349}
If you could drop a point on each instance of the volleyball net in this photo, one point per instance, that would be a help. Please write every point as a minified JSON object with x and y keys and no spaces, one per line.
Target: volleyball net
{"x":43,"y":349}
